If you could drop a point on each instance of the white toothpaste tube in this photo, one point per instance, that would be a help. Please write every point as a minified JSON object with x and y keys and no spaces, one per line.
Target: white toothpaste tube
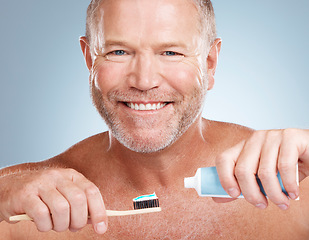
{"x":207,"y":184}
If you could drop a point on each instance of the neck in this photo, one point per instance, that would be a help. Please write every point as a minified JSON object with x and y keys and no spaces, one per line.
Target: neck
{"x":166,"y":167}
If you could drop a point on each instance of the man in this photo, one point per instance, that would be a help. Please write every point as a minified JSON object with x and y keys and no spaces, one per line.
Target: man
{"x":151,"y":64}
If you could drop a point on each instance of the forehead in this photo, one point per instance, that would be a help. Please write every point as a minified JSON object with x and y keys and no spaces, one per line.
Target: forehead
{"x":140,"y":20}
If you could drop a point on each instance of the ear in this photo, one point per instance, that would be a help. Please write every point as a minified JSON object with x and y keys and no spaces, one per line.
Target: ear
{"x":86,"y":51}
{"x":212,"y":62}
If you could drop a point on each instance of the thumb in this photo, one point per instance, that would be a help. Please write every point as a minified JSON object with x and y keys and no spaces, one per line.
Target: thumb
{"x":223,"y":200}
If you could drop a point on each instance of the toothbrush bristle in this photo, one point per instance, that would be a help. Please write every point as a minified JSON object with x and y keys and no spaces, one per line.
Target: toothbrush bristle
{"x":152,"y":203}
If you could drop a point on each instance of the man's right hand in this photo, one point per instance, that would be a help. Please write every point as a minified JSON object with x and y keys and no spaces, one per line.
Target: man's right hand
{"x":56,"y":199}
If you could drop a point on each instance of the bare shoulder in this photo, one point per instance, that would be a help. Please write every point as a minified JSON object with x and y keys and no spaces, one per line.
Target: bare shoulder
{"x":77,"y":157}
{"x":226,"y":133}
{"x":84,"y":155}
{"x":87,"y":148}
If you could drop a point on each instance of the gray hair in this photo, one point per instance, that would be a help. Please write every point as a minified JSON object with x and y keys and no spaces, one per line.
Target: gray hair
{"x":205,"y":9}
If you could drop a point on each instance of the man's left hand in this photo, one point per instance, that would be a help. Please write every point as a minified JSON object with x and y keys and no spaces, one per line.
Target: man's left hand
{"x":264,"y":154}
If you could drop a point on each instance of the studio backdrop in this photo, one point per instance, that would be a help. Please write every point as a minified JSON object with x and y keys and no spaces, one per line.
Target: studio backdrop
{"x":261,"y":81}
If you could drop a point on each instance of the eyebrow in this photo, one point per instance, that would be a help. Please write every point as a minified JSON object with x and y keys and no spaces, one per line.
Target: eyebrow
{"x":172,"y":45}
{"x":111,"y":43}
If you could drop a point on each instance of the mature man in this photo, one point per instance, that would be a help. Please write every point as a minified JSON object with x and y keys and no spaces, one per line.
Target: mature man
{"x":151,"y":64}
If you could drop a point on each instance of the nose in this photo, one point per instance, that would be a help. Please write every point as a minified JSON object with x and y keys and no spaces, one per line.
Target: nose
{"x":144,"y":74}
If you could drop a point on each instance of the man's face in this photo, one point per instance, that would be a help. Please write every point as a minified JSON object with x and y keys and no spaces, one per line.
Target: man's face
{"x":147,"y":80}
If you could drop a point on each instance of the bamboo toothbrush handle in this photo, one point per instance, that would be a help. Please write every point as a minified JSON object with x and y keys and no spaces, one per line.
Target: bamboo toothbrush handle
{"x":110,"y":213}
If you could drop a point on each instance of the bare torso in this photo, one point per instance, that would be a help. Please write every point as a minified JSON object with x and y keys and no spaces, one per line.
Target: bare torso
{"x":189,"y":217}
{"x":184,"y":214}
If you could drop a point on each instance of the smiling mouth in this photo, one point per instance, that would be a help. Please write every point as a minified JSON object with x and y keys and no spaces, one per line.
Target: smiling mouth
{"x":146,"y":106}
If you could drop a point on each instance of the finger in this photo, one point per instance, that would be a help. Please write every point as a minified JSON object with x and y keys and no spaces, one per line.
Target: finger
{"x":59,"y":208}
{"x":96,"y":207}
{"x":225,"y":164}
{"x":78,"y":204}
{"x":287,"y":164}
{"x":223,"y":200}
{"x":246,"y":169}
{"x":267,"y":171}
{"x":39,"y":212}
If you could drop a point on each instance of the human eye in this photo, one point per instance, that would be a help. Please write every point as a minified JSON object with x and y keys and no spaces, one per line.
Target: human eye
{"x":172,"y":56}
{"x":118,"y":52}
{"x":117,"y":55}
{"x":171,"y":53}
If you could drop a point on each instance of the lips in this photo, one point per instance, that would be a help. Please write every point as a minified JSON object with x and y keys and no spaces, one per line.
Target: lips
{"x":146,"y":106}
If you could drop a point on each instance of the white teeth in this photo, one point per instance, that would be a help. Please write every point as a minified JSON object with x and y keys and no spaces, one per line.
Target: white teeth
{"x":147,"y":107}
{"x":142,"y":107}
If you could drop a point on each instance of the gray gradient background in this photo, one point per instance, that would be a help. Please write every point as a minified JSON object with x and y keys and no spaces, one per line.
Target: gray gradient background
{"x":261,"y":82}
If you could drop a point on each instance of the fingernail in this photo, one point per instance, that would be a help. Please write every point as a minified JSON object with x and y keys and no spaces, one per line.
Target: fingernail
{"x":283,"y":206}
{"x":292,"y":196}
{"x":261,"y":205}
{"x":101,"y":228}
{"x":233,"y":192}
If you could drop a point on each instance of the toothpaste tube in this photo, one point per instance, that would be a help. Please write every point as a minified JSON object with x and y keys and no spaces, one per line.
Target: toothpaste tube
{"x":207,"y":184}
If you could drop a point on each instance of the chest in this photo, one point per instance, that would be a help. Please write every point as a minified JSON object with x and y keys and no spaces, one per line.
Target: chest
{"x":198,"y":218}
{"x":201,"y":218}
{"x":185,"y":215}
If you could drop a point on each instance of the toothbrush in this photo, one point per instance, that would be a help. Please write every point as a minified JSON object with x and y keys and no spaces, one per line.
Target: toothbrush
{"x":142,"y":205}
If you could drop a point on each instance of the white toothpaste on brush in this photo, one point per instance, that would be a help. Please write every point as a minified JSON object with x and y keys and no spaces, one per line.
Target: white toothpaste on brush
{"x":146,"y":201}
{"x":207,"y":184}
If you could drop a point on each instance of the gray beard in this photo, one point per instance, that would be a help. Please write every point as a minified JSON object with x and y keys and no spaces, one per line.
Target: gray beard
{"x":170,"y":134}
